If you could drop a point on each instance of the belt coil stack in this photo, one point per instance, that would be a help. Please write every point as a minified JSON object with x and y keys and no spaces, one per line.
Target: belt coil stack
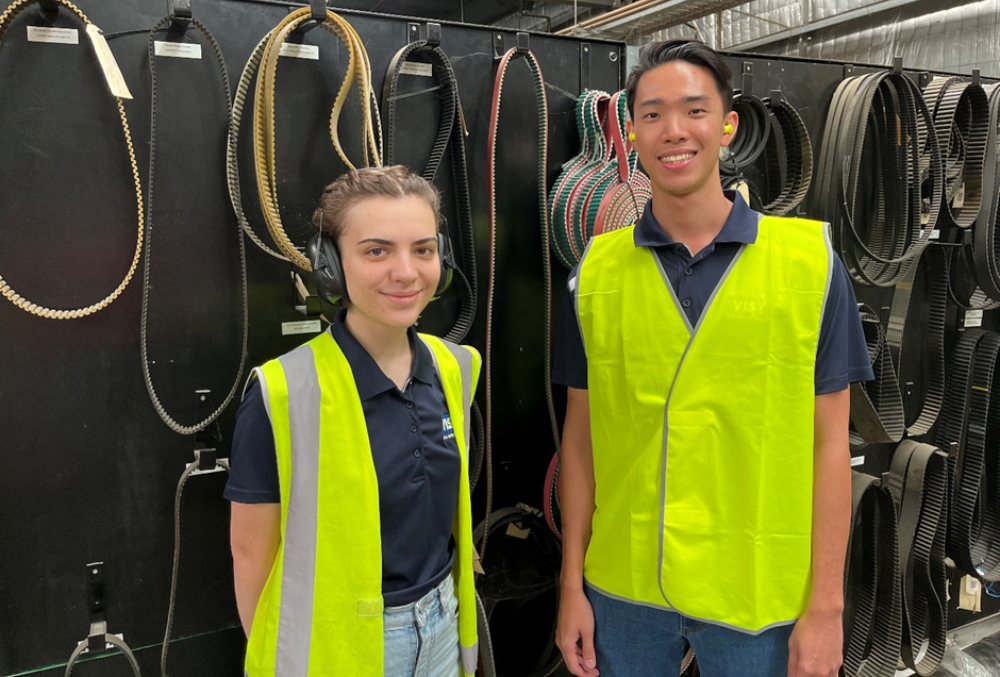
{"x":796,"y":149}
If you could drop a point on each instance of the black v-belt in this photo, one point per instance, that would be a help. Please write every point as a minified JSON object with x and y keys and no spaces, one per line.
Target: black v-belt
{"x":6,"y":290}
{"x":451,"y":134}
{"x":144,"y":338}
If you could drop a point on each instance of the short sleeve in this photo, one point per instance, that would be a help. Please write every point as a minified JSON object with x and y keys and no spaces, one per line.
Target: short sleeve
{"x":842,"y":353}
{"x":253,"y":476}
{"x":569,"y":365}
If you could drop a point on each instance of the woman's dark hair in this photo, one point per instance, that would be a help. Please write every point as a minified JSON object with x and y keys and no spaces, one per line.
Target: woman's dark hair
{"x":692,"y":51}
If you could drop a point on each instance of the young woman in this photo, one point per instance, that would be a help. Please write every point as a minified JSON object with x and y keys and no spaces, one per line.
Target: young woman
{"x":351,"y":521}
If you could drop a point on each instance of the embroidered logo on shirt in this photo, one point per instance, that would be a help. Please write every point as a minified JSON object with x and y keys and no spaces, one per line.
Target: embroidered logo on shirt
{"x":449,"y":432}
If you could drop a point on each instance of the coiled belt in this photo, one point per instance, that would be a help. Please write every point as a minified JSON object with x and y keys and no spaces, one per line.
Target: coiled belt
{"x":985,"y":244}
{"x":451,"y":133}
{"x":877,"y":407}
{"x":146,"y":287}
{"x":750,"y":138}
{"x":265,"y":57}
{"x":8,"y":292}
{"x":961,"y":119}
{"x":795,"y":148}
{"x":543,"y":216}
{"x":918,"y":483}
{"x":872,"y":605}
{"x":877,"y":145}
{"x":971,"y":419}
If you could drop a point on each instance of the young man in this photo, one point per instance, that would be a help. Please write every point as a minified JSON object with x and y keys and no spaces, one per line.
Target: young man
{"x":708,"y":352}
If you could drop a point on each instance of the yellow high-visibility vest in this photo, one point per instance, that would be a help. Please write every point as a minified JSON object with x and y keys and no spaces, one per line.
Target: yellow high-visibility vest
{"x":321,"y":609}
{"x":703,"y":435}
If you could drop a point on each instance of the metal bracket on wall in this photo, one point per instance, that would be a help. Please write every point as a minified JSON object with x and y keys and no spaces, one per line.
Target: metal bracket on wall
{"x":95,"y":607}
{"x":49,"y":8}
{"x":180,"y":15}
{"x":976,"y":78}
{"x":211,"y":435}
{"x":432,"y":33}
{"x":302,"y":300}
{"x":522,"y":45}
{"x":848,"y":70}
{"x":746,"y":83}
{"x":924,"y":79}
{"x":317,"y":15}
{"x":897,"y":65}
{"x":585,"y":54}
{"x":498,"y":50}
{"x":777,"y":97}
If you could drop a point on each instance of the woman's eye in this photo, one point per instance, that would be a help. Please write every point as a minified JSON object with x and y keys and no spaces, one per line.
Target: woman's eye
{"x":376,"y":251}
{"x":425,"y":251}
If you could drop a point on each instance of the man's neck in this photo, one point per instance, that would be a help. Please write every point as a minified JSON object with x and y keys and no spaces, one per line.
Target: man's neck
{"x":694,"y":220}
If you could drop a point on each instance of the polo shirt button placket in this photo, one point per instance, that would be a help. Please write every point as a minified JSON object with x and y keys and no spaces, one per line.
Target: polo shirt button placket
{"x":686,"y":303}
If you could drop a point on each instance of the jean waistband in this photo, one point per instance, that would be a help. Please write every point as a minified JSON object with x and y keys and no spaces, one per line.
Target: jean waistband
{"x":396,"y":616}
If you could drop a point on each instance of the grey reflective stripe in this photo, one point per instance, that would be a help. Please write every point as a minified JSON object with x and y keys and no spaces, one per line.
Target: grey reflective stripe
{"x":298,"y":573}
{"x":573,"y":287}
{"x":464,"y":358}
{"x":829,"y":272}
{"x":673,"y":294}
{"x":255,"y":373}
{"x":470,"y":658}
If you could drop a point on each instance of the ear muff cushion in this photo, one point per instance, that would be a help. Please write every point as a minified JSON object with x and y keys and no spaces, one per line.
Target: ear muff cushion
{"x":448,"y":264}
{"x":328,"y":273}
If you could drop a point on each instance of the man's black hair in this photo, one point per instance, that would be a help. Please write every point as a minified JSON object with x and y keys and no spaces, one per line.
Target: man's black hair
{"x":692,"y":51}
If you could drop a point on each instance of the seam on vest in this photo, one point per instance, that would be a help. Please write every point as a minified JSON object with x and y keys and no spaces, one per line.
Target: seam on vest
{"x":575,"y":294}
{"x":673,"y":294}
{"x":752,"y":633}
{"x":830,"y":262}
{"x":666,"y":422}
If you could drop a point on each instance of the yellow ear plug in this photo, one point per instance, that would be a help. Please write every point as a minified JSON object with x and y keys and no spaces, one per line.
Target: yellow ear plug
{"x":728,"y":129}
{"x":631,"y":136}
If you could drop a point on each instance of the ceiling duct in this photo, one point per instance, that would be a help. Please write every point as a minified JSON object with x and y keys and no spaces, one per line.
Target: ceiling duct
{"x":646,"y":16}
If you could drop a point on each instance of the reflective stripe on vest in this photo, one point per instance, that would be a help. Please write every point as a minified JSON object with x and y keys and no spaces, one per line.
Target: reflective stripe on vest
{"x":703,"y":436}
{"x":320,"y":612}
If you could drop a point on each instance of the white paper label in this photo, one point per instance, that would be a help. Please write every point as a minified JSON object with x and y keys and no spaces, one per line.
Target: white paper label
{"x":959,"y":200}
{"x":414,"y":68}
{"x":59,"y":36}
{"x":935,"y":234}
{"x":300,"y":51}
{"x":113,"y":74}
{"x":303,"y":327}
{"x":973,"y":318}
{"x":857,"y":460}
{"x":181,"y":50}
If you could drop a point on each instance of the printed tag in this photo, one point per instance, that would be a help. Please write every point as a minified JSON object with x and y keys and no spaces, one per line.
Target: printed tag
{"x":302,"y":327}
{"x":415,"y":68}
{"x":857,"y":460}
{"x":59,"y":36}
{"x":935,"y":234}
{"x":181,"y":50}
{"x":300,"y":51}
{"x":959,"y":201}
{"x":970,"y":594}
{"x":113,"y":75}
{"x":973,"y":318}
{"x":516,"y":532}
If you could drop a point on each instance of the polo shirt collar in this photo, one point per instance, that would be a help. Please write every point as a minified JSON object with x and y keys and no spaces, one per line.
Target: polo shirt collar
{"x":368,"y":376}
{"x":740,"y":227}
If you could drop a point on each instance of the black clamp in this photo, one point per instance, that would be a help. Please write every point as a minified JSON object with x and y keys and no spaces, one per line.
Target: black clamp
{"x":848,"y":70}
{"x":49,"y":9}
{"x":521,"y":47}
{"x":897,"y":65}
{"x":523,"y":43}
{"x":180,"y":15}
{"x":317,"y":15}
{"x":777,"y":98}
{"x":210,"y":436}
{"x":977,"y":80}
{"x":96,"y":642}
{"x":432,"y":33}
{"x":746,"y":84}
{"x":924,"y":79}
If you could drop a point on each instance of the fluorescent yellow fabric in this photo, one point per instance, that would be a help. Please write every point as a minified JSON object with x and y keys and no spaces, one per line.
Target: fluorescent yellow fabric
{"x":703,"y":437}
{"x":346,"y":591}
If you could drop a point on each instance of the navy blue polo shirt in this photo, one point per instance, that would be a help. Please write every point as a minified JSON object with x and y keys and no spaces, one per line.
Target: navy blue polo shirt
{"x":841,"y":355}
{"x":417,"y":464}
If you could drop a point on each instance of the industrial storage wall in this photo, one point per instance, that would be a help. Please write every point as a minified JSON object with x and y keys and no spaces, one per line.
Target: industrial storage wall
{"x":88,"y":470}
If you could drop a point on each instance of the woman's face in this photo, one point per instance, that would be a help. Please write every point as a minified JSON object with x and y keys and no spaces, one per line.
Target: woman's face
{"x":389,"y":251}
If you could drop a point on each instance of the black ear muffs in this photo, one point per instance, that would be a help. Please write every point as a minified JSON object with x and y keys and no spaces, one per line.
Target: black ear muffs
{"x":328,"y":272}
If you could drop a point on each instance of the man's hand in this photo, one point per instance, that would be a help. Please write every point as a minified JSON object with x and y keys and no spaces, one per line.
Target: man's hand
{"x":575,"y":633}
{"x":816,"y":648}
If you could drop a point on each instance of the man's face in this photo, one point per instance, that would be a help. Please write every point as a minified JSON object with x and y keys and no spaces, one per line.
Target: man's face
{"x":679,"y":127}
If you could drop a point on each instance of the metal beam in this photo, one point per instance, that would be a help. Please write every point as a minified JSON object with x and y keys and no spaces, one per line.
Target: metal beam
{"x":842,"y":17}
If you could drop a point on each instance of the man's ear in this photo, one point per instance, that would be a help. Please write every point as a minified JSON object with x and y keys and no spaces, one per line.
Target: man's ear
{"x":732,"y":118}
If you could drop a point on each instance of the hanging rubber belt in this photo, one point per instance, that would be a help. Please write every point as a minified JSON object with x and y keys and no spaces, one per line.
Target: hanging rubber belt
{"x":8,"y":292}
{"x":750,"y":138}
{"x":203,"y":463}
{"x":451,"y":133}
{"x":543,"y":216}
{"x":932,"y":267}
{"x":796,"y":149}
{"x":872,"y":604}
{"x":984,"y":244}
{"x":621,"y":202}
{"x":591,"y":110}
{"x":358,"y":70}
{"x":107,"y":638}
{"x":961,"y":116}
{"x":232,"y":158}
{"x":971,"y":418}
{"x":918,"y":483}
{"x":877,"y":145}
{"x":963,"y":287}
{"x":550,"y":497}
{"x":147,"y":272}
{"x":877,"y":407}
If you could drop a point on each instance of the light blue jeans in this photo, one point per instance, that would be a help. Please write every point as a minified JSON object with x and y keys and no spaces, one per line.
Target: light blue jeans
{"x":421,"y":639}
{"x":631,"y":639}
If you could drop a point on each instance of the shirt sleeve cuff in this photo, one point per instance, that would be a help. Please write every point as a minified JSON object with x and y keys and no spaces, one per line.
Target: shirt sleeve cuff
{"x":236,"y":495}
